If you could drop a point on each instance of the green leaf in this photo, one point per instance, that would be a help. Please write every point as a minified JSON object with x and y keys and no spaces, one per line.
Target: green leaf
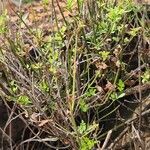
{"x":104,"y":55}
{"x":87,"y":143}
{"x":45,"y":2}
{"x":44,"y":86}
{"x":113,"y":96}
{"x":121,"y":95}
{"x":80,"y":2}
{"x":24,"y":100}
{"x":120,"y":85}
{"x":115,"y":14}
{"x":14,"y":86}
{"x":3,"y":21}
{"x":70,"y":4}
{"x":91,"y":91}
{"x":134,"y":31}
{"x":83,"y":106}
{"x":82,"y":128}
{"x":146,"y":76}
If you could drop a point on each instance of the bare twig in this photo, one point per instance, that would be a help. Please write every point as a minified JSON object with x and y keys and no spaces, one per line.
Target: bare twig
{"x":117,"y":139}
{"x":106,"y":140}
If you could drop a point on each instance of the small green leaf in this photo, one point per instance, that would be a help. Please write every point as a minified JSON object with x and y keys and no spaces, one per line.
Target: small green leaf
{"x":91,"y":91}
{"x":146,"y":76}
{"x":44,"y":86}
{"x":70,"y":4}
{"x":134,"y":31}
{"x":36,"y":66}
{"x":120,"y":85}
{"x":104,"y":55}
{"x":14,"y":86}
{"x":3,"y":22}
{"x":45,"y":2}
{"x":82,"y":128}
{"x":24,"y":100}
{"x":121,"y":95}
{"x":113,"y":96}
{"x":87,"y":143}
{"x":80,"y":2}
{"x":83,"y":106}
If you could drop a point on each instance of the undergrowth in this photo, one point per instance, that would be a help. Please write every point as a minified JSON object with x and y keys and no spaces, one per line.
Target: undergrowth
{"x":71,"y":86}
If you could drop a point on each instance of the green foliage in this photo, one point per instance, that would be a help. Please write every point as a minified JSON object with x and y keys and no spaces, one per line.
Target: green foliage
{"x":44,"y":86}
{"x":83,"y":106}
{"x":36,"y":66}
{"x":70,"y":4}
{"x":146,"y":76}
{"x":90,"y":92}
{"x":82,"y":128}
{"x":115,"y":14}
{"x":87,"y":143}
{"x":45,"y":2}
{"x":14,"y":86}
{"x":104,"y":55}
{"x":80,"y":2}
{"x":120,"y":85}
{"x":24,"y":100}
{"x":134,"y":31}
{"x":38,"y":34}
{"x":115,"y":96}
{"x":3,"y":21}
{"x":53,"y":60}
